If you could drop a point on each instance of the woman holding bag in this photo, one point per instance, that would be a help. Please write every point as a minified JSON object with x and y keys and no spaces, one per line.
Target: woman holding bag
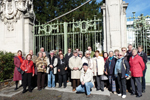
{"x":18,"y":60}
{"x":122,"y":72}
{"x":28,"y":67}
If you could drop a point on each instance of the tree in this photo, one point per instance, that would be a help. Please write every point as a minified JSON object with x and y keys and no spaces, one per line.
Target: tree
{"x":47,"y":10}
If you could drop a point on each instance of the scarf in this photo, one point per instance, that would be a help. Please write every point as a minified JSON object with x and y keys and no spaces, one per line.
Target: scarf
{"x":105,"y":59}
{"x":118,"y":66}
{"x":110,"y":59}
{"x":20,"y":58}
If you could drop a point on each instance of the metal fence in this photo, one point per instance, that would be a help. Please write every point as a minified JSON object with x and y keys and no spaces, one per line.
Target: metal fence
{"x":63,"y":35}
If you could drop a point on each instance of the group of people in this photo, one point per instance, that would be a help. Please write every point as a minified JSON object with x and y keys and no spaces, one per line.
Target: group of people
{"x":118,"y":71}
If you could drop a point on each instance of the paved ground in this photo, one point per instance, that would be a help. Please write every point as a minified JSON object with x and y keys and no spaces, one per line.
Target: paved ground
{"x":64,"y":94}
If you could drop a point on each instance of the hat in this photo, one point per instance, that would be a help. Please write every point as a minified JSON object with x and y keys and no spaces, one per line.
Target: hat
{"x":75,"y":51}
{"x":85,"y":64}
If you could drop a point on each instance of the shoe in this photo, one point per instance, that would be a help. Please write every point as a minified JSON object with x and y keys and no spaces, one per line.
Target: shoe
{"x":138,"y":96}
{"x":74,"y":90}
{"x":143,"y":91}
{"x":102,"y":90}
{"x":65,"y":86}
{"x":39,"y":89}
{"x":119,"y":94}
{"x":90,"y":89}
{"x":89,"y":96}
{"x":59,"y":87}
{"x":114,"y":93}
{"x":23,"y":91}
{"x":132,"y":93}
{"x":123,"y":96}
{"x":67,"y":81}
{"x":15,"y":88}
{"x":97,"y":89}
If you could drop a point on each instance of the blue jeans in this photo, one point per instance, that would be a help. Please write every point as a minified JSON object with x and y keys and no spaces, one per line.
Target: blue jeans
{"x":51,"y":75}
{"x":85,"y":88}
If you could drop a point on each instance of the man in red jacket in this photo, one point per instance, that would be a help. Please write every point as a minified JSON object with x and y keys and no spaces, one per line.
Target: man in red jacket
{"x":137,"y":67}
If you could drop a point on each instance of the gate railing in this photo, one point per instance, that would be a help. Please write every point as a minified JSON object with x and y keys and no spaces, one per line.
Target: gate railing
{"x":141,"y":28}
{"x":63,"y":35}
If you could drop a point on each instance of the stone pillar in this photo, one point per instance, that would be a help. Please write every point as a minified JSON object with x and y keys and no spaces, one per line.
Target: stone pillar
{"x":114,"y":24}
{"x":16,"y":17}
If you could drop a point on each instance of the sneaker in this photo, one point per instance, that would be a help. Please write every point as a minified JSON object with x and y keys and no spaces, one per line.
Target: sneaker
{"x":119,"y":94}
{"x":124,"y":96}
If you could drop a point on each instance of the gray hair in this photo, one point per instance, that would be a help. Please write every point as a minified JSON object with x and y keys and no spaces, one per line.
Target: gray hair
{"x":87,"y":52}
{"x":111,"y":51}
{"x":40,"y":52}
{"x":80,"y":52}
{"x":52,"y":51}
{"x":134,"y":49}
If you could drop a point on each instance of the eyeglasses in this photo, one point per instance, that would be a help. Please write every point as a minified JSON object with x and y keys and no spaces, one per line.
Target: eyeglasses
{"x":119,"y":55}
{"x":123,"y":50}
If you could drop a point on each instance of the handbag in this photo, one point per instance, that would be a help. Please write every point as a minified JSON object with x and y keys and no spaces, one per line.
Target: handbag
{"x":129,"y":71}
{"x":104,"y":77}
{"x":20,"y":71}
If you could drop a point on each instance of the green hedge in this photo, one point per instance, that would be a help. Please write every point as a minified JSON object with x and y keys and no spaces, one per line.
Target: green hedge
{"x":6,"y":65}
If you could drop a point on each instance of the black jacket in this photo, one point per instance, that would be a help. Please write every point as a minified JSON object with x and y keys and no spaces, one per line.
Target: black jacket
{"x":112,"y":68}
{"x":144,"y":56}
{"x":62,"y":65}
{"x":67,"y":58}
{"x":128,"y":55}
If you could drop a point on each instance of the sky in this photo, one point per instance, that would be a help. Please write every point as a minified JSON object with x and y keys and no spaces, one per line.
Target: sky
{"x":138,"y":6}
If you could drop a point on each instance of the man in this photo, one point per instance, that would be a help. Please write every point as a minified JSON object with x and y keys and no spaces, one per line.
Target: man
{"x":91,"y":52}
{"x":86,"y":80}
{"x":144,"y":57}
{"x":80,"y":54}
{"x":98,"y":70}
{"x":75,"y":64}
{"x":34,"y":57}
{"x":52,"y":69}
{"x":42,"y":50}
{"x":129,"y":52}
{"x":87,"y":59}
{"x":67,"y":57}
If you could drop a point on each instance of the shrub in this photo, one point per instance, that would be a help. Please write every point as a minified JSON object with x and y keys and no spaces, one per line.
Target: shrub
{"x":6,"y":65}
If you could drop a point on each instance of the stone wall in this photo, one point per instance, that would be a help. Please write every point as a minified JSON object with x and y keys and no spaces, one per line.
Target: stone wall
{"x":16,"y":22}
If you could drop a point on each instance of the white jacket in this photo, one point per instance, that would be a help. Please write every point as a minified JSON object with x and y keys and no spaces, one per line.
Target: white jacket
{"x":86,"y":76}
{"x":100,"y":62}
{"x":90,"y":62}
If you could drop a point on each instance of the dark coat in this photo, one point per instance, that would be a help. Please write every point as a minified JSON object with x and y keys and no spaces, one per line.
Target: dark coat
{"x":67,"y":58}
{"x":17,"y":75}
{"x":144,"y":57}
{"x":128,"y":55}
{"x":124,"y":70}
{"x":112,"y":68}
{"x":62,"y":67}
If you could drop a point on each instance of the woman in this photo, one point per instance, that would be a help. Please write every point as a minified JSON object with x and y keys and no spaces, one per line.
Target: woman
{"x":18,"y":60}
{"x":109,"y":70}
{"x":144,"y":57}
{"x":41,"y":64}
{"x":105,"y":56}
{"x":28,"y":67}
{"x":62,"y":70}
{"x":137,"y":67}
{"x":122,"y":72}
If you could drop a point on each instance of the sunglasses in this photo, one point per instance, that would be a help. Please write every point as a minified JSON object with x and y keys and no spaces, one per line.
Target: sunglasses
{"x":123,"y":50}
{"x":119,"y":55}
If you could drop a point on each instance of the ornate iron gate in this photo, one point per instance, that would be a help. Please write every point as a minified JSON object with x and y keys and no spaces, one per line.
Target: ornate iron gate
{"x":63,"y":35}
{"x":140,"y":28}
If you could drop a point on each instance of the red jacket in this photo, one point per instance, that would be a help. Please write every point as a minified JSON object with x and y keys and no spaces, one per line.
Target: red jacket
{"x":137,"y":66}
{"x":28,"y":65}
